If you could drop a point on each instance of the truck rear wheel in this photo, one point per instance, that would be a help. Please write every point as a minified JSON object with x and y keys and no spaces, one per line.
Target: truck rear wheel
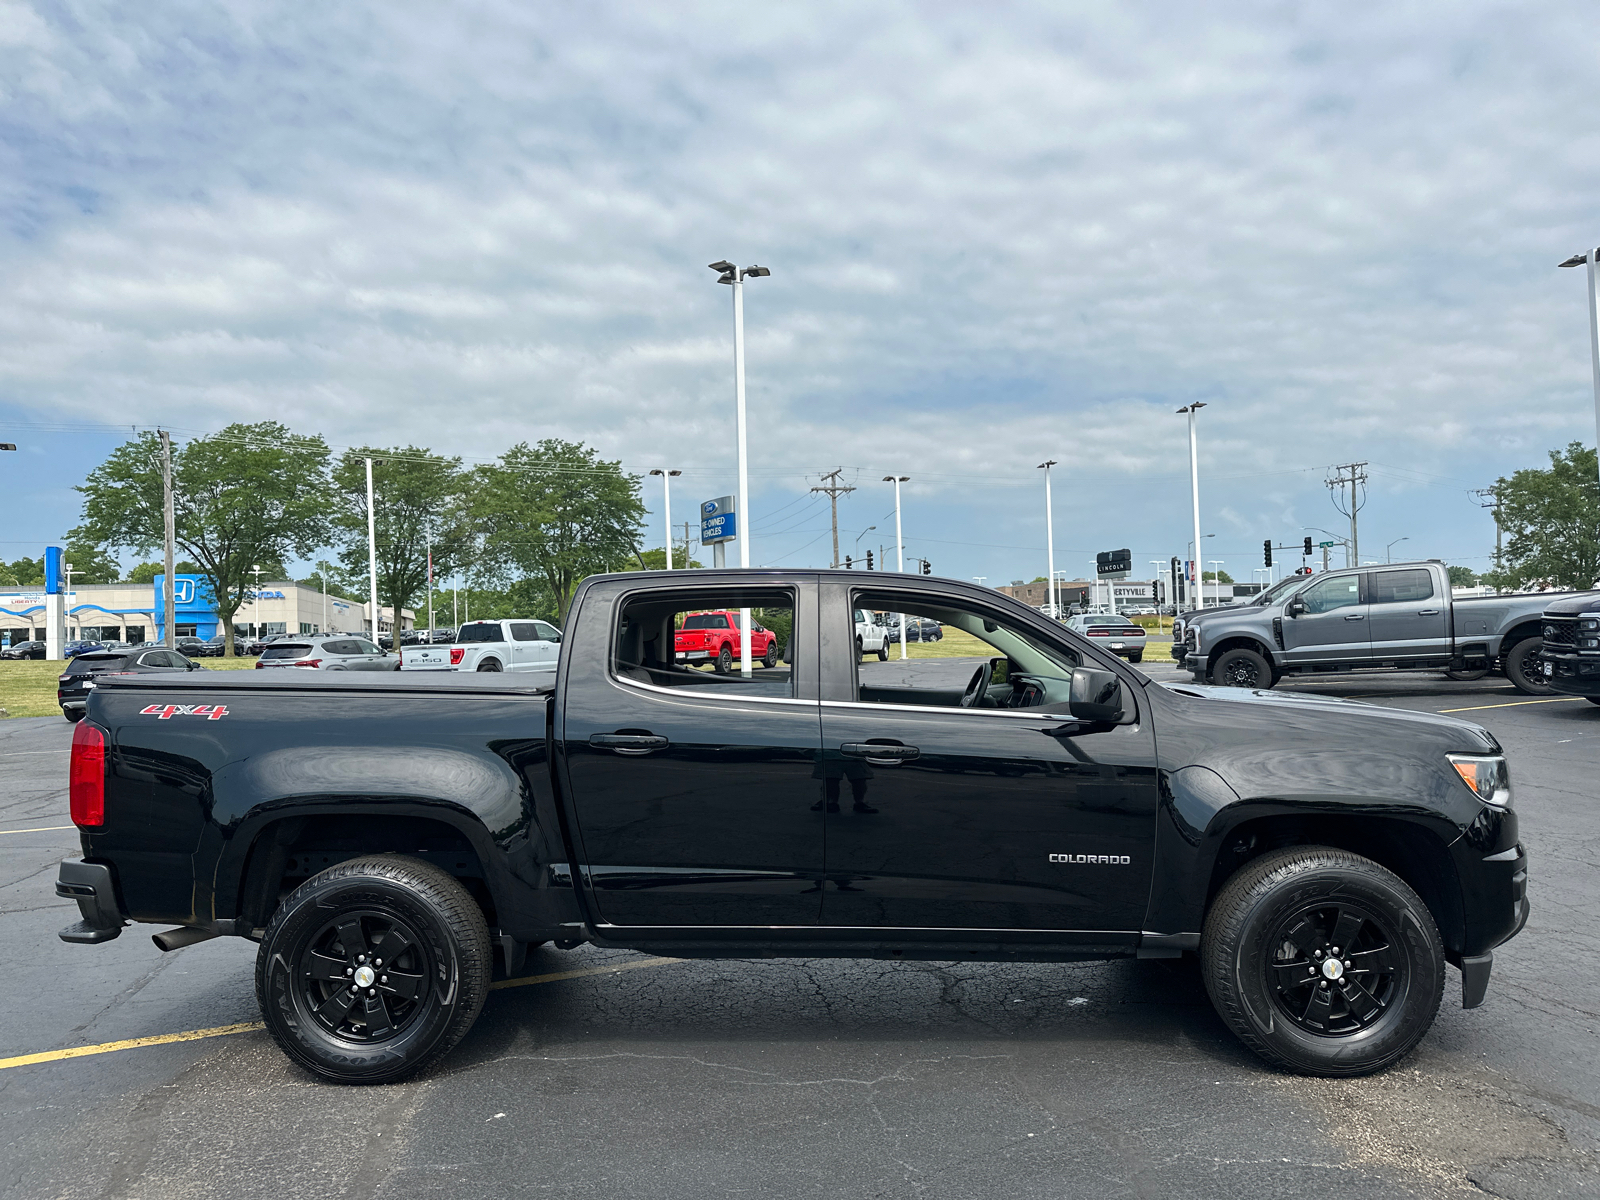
{"x":770,"y":659}
{"x":1322,"y":961}
{"x":1522,"y":663}
{"x":373,"y":969}
{"x":1242,"y":668}
{"x":724,"y":660}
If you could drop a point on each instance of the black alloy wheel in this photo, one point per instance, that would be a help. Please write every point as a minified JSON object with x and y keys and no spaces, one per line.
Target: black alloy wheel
{"x":1243,"y":669}
{"x":489,"y":664}
{"x":1522,"y":668}
{"x":1322,"y":961}
{"x":373,"y":969}
{"x":725,"y":660}
{"x":770,"y":659}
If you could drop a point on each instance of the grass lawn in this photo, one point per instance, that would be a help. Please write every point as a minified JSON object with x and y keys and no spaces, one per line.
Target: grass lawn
{"x":960,"y":644}
{"x":28,"y":687}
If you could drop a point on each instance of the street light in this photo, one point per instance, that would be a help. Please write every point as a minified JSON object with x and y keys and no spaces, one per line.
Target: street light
{"x":372,"y":552}
{"x":666,"y":501}
{"x":1594,"y":323}
{"x":1387,"y":557}
{"x":1194,"y":557}
{"x":900,"y":546}
{"x":1216,"y":579}
{"x":859,"y":536}
{"x":735,"y":277}
{"x":980,"y":579}
{"x":1050,"y":540}
{"x":1194,"y":482}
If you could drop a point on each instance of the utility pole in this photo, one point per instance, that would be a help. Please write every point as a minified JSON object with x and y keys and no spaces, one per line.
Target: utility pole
{"x":834,"y":490}
{"x":1493,"y":496}
{"x":170,"y":521}
{"x":1354,"y":474}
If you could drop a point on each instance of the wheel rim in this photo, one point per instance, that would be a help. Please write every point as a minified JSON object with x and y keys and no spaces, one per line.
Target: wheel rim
{"x":370,"y":948}
{"x":1335,"y":969}
{"x":1241,"y":672}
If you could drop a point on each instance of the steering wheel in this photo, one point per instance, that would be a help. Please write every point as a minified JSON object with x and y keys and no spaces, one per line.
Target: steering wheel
{"x":976,"y":687}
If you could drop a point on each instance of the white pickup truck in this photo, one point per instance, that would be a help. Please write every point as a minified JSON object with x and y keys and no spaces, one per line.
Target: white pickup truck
{"x":514,"y":645}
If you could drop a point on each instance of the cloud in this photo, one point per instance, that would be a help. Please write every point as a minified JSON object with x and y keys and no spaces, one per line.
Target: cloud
{"x":996,"y":234}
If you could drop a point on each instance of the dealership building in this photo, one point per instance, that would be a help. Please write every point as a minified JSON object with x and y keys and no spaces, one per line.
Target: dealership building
{"x":135,"y":612}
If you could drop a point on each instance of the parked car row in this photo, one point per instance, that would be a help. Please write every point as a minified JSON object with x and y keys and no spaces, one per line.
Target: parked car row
{"x":74,"y":685}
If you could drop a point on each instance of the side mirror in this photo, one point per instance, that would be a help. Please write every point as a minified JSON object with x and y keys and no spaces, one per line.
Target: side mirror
{"x":1095,"y":696}
{"x":554,"y":639}
{"x":1295,"y":607}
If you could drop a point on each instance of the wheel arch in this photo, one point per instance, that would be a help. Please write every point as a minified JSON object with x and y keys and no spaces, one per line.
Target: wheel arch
{"x":1241,"y":641}
{"x":1521,"y":631}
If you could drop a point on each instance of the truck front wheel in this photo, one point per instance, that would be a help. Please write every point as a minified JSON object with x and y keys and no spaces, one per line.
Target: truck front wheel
{"x":373,"y":969}
{"x":1242,"y":668}
{"x":1322,"y":961}
{"x":1522,"y":665}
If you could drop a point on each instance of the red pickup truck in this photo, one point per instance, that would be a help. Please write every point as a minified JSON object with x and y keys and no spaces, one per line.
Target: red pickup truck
{"x":714,"y":637}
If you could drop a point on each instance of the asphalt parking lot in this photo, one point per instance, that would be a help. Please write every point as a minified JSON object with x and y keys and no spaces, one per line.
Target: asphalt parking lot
{"x":607,"y":1074}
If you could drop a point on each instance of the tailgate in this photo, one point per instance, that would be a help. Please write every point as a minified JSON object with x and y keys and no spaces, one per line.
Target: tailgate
{"x":425,"y":658}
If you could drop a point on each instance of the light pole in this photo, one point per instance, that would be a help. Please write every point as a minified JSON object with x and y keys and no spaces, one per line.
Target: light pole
{"x":1216,"y":577}
{"x":256,"y":603}
{"x":1387,"y":557}
{"x":1058,"y":576}
{"x":372,"y":553}
{"x":1194,"y":487}
{"x":66,"y":569}
{"x":735,"y":277}
{"x":1156,"y":599}
{"x":861,"y":535}
{"x":666,"y":502}
{"x":1194,"y":556}
{"x":1050,"y":541}
{"x":1589,"y":260}
{"x":430,"y":589}
{"x":900,"y":546}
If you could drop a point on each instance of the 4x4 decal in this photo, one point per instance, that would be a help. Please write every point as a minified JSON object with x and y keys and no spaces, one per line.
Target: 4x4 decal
{"x":212,"y":712}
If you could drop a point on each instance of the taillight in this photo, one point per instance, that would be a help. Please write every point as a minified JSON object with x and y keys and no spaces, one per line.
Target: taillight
{"x":457,"y":655}
{"x":308,"y":662}
{"x":86,"y":777}
{"x":1099,"y":633}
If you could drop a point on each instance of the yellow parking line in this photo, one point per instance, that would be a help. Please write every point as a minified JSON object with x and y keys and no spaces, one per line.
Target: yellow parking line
{"x":41,"y":829}
{"x":1512,"y":704}
{"x":195,"y":1035}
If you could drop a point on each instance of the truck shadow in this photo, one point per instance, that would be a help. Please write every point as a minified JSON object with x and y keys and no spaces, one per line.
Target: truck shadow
{"x":1070,"y":1007}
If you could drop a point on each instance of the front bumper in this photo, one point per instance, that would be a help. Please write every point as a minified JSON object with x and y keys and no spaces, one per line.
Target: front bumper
{"x":1572,"y":674}
{"x":95,"y":890}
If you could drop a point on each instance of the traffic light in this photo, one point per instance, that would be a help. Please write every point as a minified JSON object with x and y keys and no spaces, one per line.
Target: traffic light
{"x":1155,"y":590}
{"x":869,"y":560}
{"x":927,"y":567}
{"x":1266,"y":552}
{"x":1307,"y":550}
{"x":849,"y":563}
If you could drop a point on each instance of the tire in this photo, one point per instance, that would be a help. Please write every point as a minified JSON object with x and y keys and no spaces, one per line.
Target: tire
{"x":1274,"y":916}
{"x":388,"y":899}
{"x":724,"y":661}
{"x":1521,"y":661}
{"x":883,"y":651}
{"x":1466,"y":676}
{"x":1241,"y":668}
{"x":74,"y":715}
{"x":770,"y":659}
{"x":1139,"y":657}
{"x":489,"y":664}
{"x":860,"y":649}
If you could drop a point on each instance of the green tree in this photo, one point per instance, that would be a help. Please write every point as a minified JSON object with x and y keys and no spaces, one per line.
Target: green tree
{"x":247,"y":496}
{"x":557,"y":512}
{"x":417,"y":496}
{"x":1463,"y":577}
{"x":146,"y":572}
{"x":656,"y":560}
{"x":1217,"y":577}
{"x":1552,"y":523}
{"x":90,"y":563}
{"x":25,"y":572}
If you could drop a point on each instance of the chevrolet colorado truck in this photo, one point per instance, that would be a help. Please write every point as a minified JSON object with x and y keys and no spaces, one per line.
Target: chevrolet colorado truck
{"x":1399,"y":617}
{"x":387,"y":838}
{"x":1569,"y":656}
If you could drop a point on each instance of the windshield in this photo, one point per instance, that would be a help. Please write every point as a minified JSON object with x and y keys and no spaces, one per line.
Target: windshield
{"x":1282,"y":588}
{"x":286,"y":650}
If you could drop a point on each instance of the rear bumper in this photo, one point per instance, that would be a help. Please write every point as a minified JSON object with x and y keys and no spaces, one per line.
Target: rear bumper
{"x":94,"y":888}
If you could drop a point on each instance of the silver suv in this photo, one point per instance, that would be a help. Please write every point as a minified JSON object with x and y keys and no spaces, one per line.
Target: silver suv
{"x":327,"y":652}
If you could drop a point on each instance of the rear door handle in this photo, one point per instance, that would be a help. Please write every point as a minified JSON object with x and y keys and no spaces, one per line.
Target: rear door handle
{"x":1428,"y":612}
{"x":1355,"y":616}
{"x":880,"y":753}
{"x":628,"y":743}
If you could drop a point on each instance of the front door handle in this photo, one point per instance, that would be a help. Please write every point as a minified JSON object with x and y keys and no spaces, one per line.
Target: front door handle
{"x":879,"y":753}
{"x":628,"y":743}
{"x":1355,"y":616}
{"x":1428,"y":612}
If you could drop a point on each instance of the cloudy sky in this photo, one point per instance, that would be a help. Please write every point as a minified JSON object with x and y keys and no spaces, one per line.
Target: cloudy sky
{"x":997,"y":233}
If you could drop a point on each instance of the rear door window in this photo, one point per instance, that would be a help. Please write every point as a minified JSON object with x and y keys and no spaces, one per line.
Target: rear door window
{"x":651,"y":649}
{"x":1401,"y":587}
{"x":524,"y":631}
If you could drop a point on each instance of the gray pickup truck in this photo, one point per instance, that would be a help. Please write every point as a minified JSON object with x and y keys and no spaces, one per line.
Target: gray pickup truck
{"x":1397,"y":617}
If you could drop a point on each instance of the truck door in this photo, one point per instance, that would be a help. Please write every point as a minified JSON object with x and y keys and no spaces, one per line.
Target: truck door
{"x":1406,"y":615}
{"x":697,"y":796}
{"x":529,"y":650}
{"x":994,"y":811}
{"x":1327,"y":622}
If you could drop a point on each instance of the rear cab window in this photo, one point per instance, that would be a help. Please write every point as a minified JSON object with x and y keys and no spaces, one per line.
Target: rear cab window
{"x":483,"y":631}
{"x":649,"y":627}
{"x":287,"y":650}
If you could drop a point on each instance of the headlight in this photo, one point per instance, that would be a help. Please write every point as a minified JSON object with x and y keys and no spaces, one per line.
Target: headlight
{"x":1487,"y":776}
{"x":1589,"y":623}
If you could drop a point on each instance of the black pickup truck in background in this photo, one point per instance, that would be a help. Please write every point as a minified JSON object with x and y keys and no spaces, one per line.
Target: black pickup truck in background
{"x":1569,"y":652}
{"x":384,"y":838}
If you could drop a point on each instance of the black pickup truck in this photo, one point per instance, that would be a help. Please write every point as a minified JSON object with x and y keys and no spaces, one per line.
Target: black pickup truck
{"x":385,"y":839}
